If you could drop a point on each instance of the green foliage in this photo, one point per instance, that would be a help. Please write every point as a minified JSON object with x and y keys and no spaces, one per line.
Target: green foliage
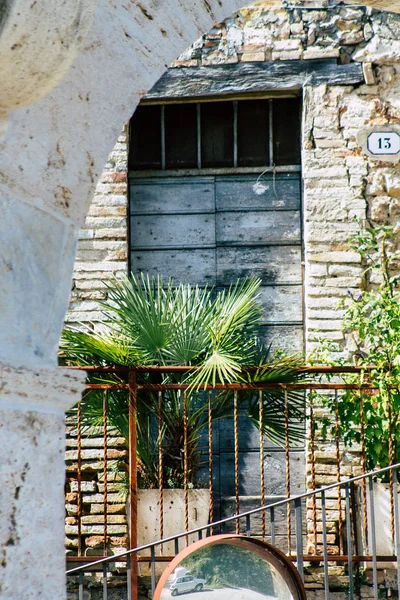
{"x":372,"y":318}
{"x":149,"y":323}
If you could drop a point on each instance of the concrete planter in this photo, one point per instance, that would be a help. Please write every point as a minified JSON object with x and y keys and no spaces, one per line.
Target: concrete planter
{"x":174,"y":520}
{"x":384,"y":543}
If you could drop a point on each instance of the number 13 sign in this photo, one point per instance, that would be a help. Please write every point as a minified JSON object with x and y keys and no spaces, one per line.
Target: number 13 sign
{"x":383,"y":142}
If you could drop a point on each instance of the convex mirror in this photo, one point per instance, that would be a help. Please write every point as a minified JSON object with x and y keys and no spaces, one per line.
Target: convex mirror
{"x":231,"y":567}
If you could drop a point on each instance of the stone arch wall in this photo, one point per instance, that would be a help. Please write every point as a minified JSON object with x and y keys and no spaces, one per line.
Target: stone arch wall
{"x":69,"y":133}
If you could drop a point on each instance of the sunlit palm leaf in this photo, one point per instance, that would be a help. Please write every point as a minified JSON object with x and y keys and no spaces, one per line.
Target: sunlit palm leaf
{"x":192,"y":313}
{"x":104,"y":347}
{"x":141,"y":309}
{"x":235,"y":314}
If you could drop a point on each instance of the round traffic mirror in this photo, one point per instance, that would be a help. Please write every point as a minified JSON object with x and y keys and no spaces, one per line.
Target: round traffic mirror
{"x":231,"y":567}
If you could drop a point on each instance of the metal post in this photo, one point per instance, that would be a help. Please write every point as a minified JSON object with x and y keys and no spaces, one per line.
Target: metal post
{"x":396,"y":524}
{"x":356,"y":548}
{"x":338,"y":472}
{"x":272,"y":518}
{"x":313,"y":473}
{"x":185,"y":467}
{"x":210,"y":459}
{"x":248,"y":525}
{"x":373,"y":537}
{"x":105,"y":468}
{"x":105,"y":588}
{"x":262,"y":458}
{"x":133,"y":482}
{"x":287,"y":463}
{"x":236,"y":441}
{"x":349,"y":544}
{"x":129,"y":577}
{"x":299,"y":537}
{"x":325,"y":546}
{"x":153,"y":570}
{"x":79,"y":477}
{"x":160,"y":468}
{"x":80,"y":593}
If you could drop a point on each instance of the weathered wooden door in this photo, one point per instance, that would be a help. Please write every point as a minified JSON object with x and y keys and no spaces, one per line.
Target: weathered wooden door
{"x":212,"y":230}
{"x":215,"y":194}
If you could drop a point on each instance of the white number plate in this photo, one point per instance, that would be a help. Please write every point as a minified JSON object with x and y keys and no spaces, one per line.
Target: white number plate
{"x":384,"y":142}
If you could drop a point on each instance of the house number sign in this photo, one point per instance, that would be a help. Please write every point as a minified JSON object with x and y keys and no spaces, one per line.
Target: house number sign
{"x":383,"y":142}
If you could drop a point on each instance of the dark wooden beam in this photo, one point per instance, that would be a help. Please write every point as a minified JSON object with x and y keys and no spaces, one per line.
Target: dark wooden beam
{"x":233,"y":80}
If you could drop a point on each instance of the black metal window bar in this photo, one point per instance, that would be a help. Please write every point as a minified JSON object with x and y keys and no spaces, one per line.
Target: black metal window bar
{"x":222,"y":134}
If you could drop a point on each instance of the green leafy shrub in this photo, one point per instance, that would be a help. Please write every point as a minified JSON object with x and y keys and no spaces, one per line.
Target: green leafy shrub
{"x":372,"y":320}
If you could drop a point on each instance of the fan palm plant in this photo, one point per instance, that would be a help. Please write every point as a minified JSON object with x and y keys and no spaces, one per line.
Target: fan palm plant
{"x":149,"y":323}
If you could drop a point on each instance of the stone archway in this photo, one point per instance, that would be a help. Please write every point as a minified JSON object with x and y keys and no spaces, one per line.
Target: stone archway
{"x":50,"y":157}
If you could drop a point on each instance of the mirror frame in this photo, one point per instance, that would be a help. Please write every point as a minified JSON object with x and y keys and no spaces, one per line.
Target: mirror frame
{"x":275,"y":557}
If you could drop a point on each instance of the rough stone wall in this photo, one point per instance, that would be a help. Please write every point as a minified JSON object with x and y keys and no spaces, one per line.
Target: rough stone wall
{"x":92,"y":493}
{"x":343,"y":187}
{"x":103,"y":241}
{"x":303,"y":30}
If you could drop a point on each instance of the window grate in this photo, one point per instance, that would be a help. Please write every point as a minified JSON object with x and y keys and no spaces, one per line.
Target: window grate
{"x":228,"y":134}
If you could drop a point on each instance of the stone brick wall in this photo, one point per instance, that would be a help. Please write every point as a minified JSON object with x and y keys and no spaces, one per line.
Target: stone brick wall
{"x":342,"y":188}
{"x":92,"y":493}
{"x":306,"y":30}
{"x":103,"y":241}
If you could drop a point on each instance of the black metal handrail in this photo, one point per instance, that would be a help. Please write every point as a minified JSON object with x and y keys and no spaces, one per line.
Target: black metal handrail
{"x":299,"y":557}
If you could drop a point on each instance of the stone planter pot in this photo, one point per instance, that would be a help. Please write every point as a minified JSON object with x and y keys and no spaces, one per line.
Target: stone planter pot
{"x":384,"y":543}
{"x":174,"y":520}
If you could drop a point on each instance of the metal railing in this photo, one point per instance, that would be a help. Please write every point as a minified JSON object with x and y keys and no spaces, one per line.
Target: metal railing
{"x":131,"y":381}
{"x":282,"y":522}
{"x":351,"y":559}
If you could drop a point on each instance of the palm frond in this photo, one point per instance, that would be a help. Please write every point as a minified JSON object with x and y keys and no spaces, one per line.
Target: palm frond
{"x":221,"y":367}
{"x":192,"y":311}
{"x":233,"y":317}
{"x":104,"y":347}
{"x":237,"y":308}
{"x":284,"y":370}
{"x":141,"y":309}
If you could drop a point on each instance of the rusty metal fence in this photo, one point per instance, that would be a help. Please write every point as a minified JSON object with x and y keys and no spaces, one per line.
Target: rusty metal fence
{"x":338,"y":523}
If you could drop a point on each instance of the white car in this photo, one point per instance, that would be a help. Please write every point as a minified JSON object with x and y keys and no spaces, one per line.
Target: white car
{"x":186,"y":583}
